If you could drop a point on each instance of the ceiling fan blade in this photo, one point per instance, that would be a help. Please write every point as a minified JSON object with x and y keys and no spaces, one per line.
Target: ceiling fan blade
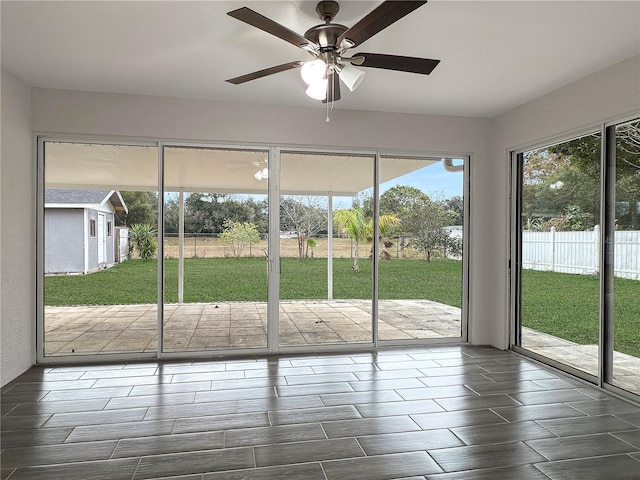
{"x":333,"y":88}
{"x":380,"y":18}
{"x":265,"y":72}
{"x":253,"y":18}
{"x":396,"y":62}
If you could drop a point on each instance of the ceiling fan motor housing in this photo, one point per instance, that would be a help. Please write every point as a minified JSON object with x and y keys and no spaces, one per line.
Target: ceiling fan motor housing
{"x":325,"y":35}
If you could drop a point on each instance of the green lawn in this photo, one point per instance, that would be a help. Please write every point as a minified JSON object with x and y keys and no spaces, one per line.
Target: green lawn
{"x":560,"y":304}
{"x":245,"y":279}
{"x":566,"y":306}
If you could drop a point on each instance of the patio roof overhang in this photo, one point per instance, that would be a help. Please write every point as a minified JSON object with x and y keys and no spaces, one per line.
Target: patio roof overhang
{"x":188,"y":169}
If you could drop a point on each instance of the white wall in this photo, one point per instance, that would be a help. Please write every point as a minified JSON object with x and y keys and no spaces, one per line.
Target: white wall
{"x":17,"y":231}
{"x":608,"y":95}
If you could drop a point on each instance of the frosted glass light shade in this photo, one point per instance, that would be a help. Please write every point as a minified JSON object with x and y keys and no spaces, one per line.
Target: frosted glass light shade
{"x":318,"y":90}
{"x":313,"y":71}
{"x":351,"y":76}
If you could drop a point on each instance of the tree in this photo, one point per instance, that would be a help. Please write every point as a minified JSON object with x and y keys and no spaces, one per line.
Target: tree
{"x":399,"y":200}
{"x":555,"y":181}
{"x":579,"y":172}
{"x":358,"y":228}
{"x":305,"y":215}
{"x":142,"y":206}
{"x":572,"y":219}
{"x":425,"y":222}
{"x":456,"y":205}
{"x":171,"y":215}
{"x":238,"y":235}
{"x":206,"y":212}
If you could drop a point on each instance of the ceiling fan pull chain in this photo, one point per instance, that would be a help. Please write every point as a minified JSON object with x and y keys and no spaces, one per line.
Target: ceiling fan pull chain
{"x":329,"y":85}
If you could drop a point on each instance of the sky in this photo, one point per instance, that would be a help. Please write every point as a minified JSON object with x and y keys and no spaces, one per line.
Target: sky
{"x":433,"y":180}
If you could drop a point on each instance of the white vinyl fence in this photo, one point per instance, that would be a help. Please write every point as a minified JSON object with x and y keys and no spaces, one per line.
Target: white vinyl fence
{"x":578,"y":252}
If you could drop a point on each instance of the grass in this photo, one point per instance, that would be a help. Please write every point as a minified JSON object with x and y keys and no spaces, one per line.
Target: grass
{"x":559,"y":304}
{"x":245,"y":279}
{"x":567,"y":305}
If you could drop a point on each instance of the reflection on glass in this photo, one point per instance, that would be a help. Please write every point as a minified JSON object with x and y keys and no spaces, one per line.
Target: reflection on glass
{"x":100,"y":294}
{"x":626,"y":308}
{"x":215,"y":249}
{"x":560,"y":252}
{"x":420,"y":271}
{"x":324,"y":300}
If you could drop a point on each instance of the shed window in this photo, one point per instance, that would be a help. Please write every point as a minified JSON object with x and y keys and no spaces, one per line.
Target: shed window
{"x":92,"y":228}
{"x":109,"y":229}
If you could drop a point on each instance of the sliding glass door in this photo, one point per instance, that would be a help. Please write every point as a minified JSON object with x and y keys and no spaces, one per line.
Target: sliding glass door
{"x":560,"y":222}
{"x":171,"y":249}
{"x":420,"y":282}
{"x":99,"y":285}
{"x":215,"y":249}
{"x":626,"y":282}
{"x":577,"y":255}
{"x":326,"y":280}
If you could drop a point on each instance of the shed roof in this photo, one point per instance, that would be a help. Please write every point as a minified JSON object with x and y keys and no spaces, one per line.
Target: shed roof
{"x":70,"y":197}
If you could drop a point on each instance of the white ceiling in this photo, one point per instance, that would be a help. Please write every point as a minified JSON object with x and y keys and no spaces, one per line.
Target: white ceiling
{"x":494,"y":55}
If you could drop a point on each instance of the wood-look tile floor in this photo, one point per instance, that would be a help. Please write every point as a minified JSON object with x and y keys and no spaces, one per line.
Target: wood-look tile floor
{"x":441,"y":413}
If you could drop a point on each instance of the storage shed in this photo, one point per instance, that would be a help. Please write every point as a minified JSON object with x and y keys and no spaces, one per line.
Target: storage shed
{"x":79,"y":231}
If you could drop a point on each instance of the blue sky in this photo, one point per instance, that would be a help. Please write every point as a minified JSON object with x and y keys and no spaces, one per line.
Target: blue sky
{"x":434,"y":180}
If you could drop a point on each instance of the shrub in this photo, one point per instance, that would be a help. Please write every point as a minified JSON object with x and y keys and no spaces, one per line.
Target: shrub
{"x":142,"y":236}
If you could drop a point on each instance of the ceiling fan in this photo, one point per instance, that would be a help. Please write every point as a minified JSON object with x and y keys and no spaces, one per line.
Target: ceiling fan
{"x":327,"y":44}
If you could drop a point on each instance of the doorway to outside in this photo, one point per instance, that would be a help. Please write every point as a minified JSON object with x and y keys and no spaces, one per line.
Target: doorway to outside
{"x":261,"y":250}
{"x":578,"y":255}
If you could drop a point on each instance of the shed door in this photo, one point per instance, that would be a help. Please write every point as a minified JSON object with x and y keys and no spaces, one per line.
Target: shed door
{"x":102,"y":237}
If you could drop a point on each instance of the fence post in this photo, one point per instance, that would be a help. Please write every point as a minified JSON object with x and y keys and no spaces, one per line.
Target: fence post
{"x":552,"y":239}
{"x":596,"y":232}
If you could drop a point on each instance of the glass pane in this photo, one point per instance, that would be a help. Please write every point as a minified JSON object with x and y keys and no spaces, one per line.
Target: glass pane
{"x":560,"y":252}
{"x":215,"y":249}
{"x":626,"y":308}
{"x":325,"y":299}
{"x":100,"y":296}
{"x":420,"y":271}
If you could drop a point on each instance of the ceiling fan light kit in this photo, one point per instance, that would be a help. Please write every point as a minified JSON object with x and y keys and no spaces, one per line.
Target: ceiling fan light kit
{"x":327,"y":44}
{"x":313,"y":71}
{"x":318,"y":89}
{"x":350,"y":76}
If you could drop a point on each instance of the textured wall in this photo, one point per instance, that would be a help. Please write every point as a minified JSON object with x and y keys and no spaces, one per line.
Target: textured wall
{"x":17,"y":231}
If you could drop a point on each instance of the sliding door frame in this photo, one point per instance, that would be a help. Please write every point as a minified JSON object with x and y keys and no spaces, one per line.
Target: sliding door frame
{"x":40,"y":141}
{"x":606,"y":254}
{"x":273,"y":278}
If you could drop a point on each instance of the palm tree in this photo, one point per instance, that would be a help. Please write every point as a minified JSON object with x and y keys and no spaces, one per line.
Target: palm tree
{"x":358,"y":228}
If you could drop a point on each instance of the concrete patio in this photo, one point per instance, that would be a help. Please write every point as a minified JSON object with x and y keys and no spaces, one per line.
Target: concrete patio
{"x":235,"y":325}
{"x":240,"y":325}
